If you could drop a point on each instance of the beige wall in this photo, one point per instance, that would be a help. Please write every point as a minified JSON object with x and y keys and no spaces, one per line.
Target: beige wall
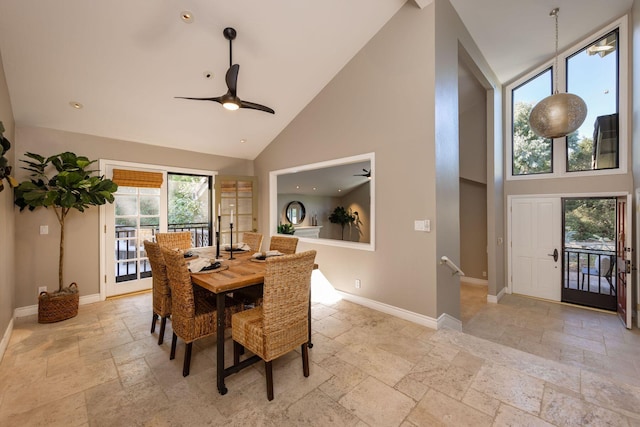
{"x":473,"y":228}
{"x":472,"y":100}
{"x":7,"y":255}
{"x":350,"y":116}
{"x":473,"y":128}
{"x":635,"y":133}
{"x":453,"y":44}
{"x":36,"y":255}
{"x":358,"y":201}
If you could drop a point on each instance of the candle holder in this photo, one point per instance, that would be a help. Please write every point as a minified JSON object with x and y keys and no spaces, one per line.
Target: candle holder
{"x":218,"y":239}
{"x":231,"y":245}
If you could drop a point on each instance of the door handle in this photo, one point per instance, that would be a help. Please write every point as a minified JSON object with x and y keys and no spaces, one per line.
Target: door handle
{"x":554,"y":255}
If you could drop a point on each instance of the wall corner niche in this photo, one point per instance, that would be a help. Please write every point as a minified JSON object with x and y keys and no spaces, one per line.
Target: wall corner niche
{"x":306,"y":195}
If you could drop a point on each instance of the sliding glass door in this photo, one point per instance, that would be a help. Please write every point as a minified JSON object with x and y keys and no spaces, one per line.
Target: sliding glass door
{"x":189,"y":206}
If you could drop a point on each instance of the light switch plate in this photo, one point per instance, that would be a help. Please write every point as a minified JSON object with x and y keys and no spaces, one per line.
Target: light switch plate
{"x":44,"y":229}
{"x":422,"y":225}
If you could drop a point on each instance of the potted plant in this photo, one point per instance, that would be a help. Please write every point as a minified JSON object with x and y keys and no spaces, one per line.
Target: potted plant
{"x":286,"y":229}
{"x":342,"y":216}
{"x":69,"y":185}
{"x":5,"y":169}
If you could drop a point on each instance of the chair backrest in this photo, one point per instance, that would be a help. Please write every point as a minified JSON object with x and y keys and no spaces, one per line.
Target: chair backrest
{"x":254,"y":240}
{"x":182,"y":302}
{"x":178,"y":240}
{"x":605,"y":266}
{"x":286,"y":245}
{"x":285,"y":305}
{"x":160,"y":280}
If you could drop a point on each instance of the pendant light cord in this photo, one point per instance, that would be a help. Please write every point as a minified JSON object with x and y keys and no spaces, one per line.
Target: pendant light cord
{"x":554,"y":13}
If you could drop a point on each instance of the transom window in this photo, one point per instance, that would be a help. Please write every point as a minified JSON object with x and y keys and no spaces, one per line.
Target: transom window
{"x":591,"y":70}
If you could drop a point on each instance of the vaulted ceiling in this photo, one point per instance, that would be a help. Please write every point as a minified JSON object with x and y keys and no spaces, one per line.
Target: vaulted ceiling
{"x":125,"y":61}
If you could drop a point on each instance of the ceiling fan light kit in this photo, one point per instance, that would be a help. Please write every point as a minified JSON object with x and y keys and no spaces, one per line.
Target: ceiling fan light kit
{"x":230,"y":100}
{"x":558,"y":115}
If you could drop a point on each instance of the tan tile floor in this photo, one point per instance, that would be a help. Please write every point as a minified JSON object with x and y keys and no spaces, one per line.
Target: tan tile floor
{"x":588,"y":339}
{"x":103,"y":368}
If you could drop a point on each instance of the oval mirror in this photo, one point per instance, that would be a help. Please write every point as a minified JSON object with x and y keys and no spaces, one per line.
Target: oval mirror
{"x":295,"y":212}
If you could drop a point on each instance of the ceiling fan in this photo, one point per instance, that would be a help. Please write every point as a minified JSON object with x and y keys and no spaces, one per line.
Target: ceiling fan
{"x":230,"y":100}
{"x":367,"y":173}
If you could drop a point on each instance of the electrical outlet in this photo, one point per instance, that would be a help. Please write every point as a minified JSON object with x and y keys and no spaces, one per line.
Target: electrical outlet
{"x":484,"y":274}
{"x":42,"y":289}
{"x":358,"y":284}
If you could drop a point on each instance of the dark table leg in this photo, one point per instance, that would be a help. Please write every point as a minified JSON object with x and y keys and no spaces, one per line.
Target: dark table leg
{"x":220,"y":343}
{"x":310,"y":344}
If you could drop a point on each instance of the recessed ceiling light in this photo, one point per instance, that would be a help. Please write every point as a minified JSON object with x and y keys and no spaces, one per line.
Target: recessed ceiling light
{"x":339,"y":190}
{"x":242,"y":141}
{"x":297,"y":187}
{"x":186,"y":16}
{"x":314,"y":188}
{"x":76,"y":105}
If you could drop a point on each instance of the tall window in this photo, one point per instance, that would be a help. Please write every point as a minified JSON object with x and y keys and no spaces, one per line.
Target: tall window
{"x":531,"y":153}
{"x":592,"y":71}
{"x":592,"y":74}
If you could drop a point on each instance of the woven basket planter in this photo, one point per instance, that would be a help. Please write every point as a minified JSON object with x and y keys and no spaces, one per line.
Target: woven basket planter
{"x":57,"y":306}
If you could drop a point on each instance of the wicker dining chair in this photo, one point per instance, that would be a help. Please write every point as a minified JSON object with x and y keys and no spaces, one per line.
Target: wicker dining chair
{"x":178,"y":240}
{"x":286,"y":245}
{"x":254,"y":240}
{"x":193,"y":314}
{"x":161,"y":289}
{"x":281,"y":323}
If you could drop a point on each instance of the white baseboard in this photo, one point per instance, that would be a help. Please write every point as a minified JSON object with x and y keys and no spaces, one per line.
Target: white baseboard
{"x":33,"y":309}
{"x":474,"y":281}
{"x":444,"y":321}
{"x":5,"y":339}
{"x":449,"y":322}
{"x":496,"y":298}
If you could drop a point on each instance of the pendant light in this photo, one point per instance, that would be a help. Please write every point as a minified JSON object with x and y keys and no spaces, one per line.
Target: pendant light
{"x":558,"y":115}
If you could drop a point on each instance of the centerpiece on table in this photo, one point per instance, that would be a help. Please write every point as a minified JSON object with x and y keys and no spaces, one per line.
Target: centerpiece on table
{"x":64,"y":183}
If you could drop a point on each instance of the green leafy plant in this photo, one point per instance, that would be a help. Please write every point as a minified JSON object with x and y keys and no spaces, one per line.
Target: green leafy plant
{"x":5,"y":169}
{"x":342,"y":216}
{"x":286,"y":229}
{"x":62,"y":182}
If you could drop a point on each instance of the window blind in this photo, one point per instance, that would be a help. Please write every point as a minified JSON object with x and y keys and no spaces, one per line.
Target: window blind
{"x":133,"y":178}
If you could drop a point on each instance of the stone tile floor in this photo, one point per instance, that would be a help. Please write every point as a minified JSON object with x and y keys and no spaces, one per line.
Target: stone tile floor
{"x":103,"y":368}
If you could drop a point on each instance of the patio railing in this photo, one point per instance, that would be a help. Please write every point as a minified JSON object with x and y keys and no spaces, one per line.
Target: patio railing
{"x":200,"y":232}
{"x":127,"y":252}
{"x":590,"y":270}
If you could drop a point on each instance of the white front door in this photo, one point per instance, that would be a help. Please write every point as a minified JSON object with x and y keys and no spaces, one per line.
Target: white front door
{"x":535,"y":257}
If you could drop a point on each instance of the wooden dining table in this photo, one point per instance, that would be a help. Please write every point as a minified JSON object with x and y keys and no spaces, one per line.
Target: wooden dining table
{"x":241,"y":273}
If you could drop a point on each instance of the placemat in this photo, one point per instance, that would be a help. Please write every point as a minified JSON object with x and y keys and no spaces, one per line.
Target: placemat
{"x":223,"y":267}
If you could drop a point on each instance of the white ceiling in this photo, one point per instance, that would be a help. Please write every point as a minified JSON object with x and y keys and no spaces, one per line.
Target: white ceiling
{"x":126,"y":60}
{"x":517,"y":35}
{"x":333,"y":181}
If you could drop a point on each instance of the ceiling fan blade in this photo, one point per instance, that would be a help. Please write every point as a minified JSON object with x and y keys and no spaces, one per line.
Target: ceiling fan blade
{"x":232,"y":78}
{"x":216,"y":99}
{"x":254,"y":106}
